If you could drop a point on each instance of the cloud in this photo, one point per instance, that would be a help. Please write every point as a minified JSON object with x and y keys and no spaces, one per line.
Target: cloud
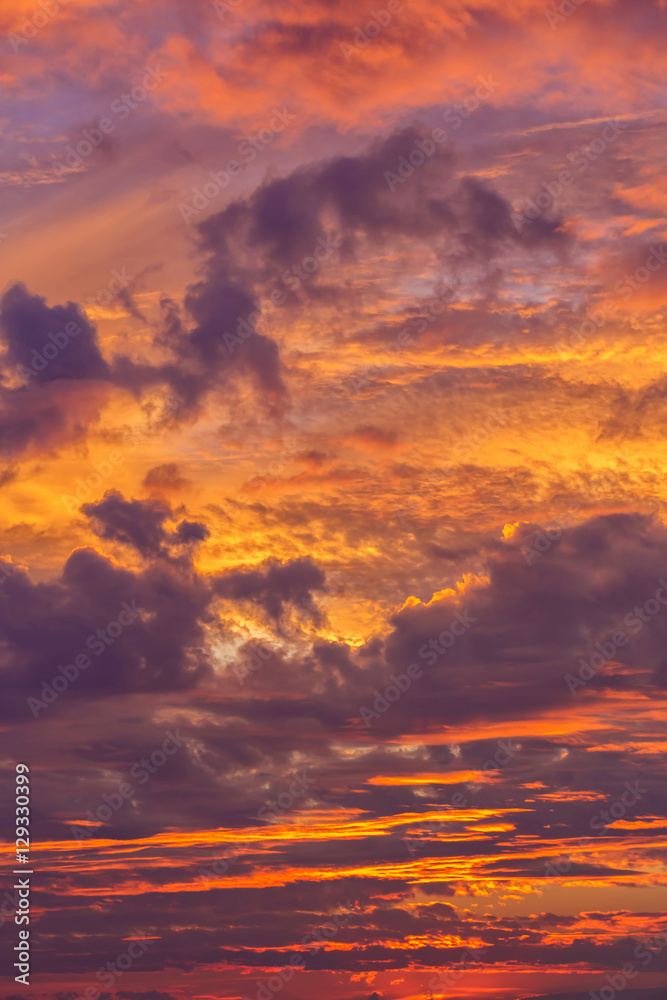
{"x":139,"y":523}
{"x":285,"y":218}
{"x":192,"y":531}
{"x":53,"y":343}
{"x":274,"y":585}
{"x":42,"y":418}
{"x":531,"y":622}
{"x":277,"y":317}
{"x":56,"y":354}
{"x":337,"y":209}
{"x":48,"y":624}
{"x":165,"y":478}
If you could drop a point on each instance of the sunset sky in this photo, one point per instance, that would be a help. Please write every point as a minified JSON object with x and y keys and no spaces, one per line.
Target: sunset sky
{"x":333,"y":536}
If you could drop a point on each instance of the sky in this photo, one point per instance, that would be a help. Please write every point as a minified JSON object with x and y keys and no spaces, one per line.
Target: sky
{"x":333,"y":545}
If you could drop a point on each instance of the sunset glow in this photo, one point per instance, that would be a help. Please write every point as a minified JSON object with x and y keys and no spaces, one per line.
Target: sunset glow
{"x":333,"y":557}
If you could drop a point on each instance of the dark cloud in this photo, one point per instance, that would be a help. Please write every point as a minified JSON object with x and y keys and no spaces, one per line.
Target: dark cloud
{"x":44,"y":625}
{"x":139,"y":523}
{"x":275,"y":585}
{"x":162,"y":647}
{"x":437,"y":888}
{"x":192,"y":531}
{"x":317,"y":214}
{"x":533,"y":622}
{"x":537,"y":617}
{"x":165,"y":478}
{"x":49,"y":343}
{"x":289,"y":219}
{"x":54,"y":350}
{"x":220,"y":344}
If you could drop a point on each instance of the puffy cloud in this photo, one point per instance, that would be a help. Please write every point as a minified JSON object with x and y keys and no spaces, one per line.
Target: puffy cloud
{"x":45,"y":625}
{"x":192,"y":531}
{"x":275,"y":585}
{"x":49,"y":343}
{"x":139,"y":523}
{"x":378,"y":195}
